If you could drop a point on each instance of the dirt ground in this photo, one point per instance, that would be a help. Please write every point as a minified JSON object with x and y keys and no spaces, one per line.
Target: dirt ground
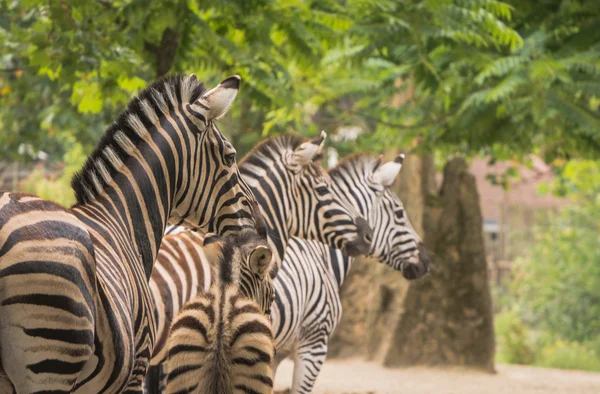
{"x":359,"y":377}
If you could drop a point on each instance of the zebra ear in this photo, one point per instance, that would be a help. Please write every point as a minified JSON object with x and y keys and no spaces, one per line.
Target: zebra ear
{"x":212,"y":247}
{"x":215,"y":103}
{"x":260,"y":260}
{"x":305,"y":153}
{"x":386,"y":174}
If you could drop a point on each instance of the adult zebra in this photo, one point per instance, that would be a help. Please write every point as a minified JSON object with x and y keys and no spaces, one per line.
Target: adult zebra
{"x":74,"y":298}
{"x":307,"y":304}
{"x":295,"y":199}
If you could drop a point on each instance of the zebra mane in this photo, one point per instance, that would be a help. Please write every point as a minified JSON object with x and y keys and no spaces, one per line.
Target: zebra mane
{"x":229,"y":270}
{"x":130,"y":128}
{"x":359,"y":163}
{"x":269,"y":151}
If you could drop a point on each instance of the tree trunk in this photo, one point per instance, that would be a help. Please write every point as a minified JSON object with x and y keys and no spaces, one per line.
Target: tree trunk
{"x":165,"y":52}
{"x":447,"y":317}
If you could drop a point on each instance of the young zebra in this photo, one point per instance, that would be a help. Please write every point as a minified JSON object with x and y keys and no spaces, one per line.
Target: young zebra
{"x":295,"y":199}
{"x":307,"y":306}
{"x":76,"y":311}
{"x":222,"y":342}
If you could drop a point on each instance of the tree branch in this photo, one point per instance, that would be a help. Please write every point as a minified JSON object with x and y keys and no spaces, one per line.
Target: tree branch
{"x":165,"y":52}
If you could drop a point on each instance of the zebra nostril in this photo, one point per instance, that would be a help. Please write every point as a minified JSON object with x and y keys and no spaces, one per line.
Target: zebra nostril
{"x":368,"y":238}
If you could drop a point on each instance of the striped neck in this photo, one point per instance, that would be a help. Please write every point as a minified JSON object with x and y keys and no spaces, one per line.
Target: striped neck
{"x":348,"y":184}
{"x":339,"y":265}
{"x":131,"y":180}
{"x":264,"y":170}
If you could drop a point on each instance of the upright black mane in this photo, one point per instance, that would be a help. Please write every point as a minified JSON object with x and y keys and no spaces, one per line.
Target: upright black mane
{"x":360,"y":162}
{"x":268,"y":151}
{"x":273,"y":144}
{"x":83,"y":180}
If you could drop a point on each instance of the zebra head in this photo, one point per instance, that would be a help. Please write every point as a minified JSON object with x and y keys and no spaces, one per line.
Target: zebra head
{"x":244,"y":259}
{"x":365,"y":182}
{"x":295,"y":195}
{"x":212,"y":195}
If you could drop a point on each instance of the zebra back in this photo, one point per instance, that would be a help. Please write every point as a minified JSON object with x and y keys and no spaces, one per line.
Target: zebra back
{"x":222,"y":341}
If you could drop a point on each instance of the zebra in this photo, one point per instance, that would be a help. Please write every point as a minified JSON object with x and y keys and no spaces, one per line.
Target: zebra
{"x":77,"y":315}
{"x":222,"y":341}
{"x":307,"y":305}
{"x":295,"y":199}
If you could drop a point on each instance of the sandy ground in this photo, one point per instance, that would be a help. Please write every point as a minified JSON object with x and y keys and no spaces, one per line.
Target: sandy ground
{"x":359,"y":377}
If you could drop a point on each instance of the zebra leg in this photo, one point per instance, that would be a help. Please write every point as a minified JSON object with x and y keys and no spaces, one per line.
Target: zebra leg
{"x":162,"y":379}
{"x":308,"y":359}
{"x":279,"y":357}
{"x":153,"y":380}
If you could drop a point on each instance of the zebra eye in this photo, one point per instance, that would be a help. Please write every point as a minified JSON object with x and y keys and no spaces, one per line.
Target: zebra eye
{"x":229,"y":159}
{"x":321,"y":190}
{"x":400,"y":214}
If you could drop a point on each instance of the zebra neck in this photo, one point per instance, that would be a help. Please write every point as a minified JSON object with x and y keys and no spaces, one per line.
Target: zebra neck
{"x":339,"y":265}
{"x":134,"y":205}
{"x":275,"y":213}
{"x":278,"y":233}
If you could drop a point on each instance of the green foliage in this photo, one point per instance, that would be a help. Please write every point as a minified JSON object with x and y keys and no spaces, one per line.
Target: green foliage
{"x":519,"y":344}
{"x":579,"y":179}
{"x":551,"y":313}
{"x":57,"y":189}
{"x":569,"y":355}
{"x":512,"y":337}
{"x":477,"y":76}
{"x":558,"y":283}
{"x":68,"y":67}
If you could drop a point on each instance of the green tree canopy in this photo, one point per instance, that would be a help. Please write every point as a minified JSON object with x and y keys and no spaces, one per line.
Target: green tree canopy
{"x":479,"y":76}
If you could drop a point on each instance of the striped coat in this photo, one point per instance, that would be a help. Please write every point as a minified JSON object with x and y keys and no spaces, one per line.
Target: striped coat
{"x":221,"y":341}
{"x":74,"y":298}
{"x":307,"y":306}
{"x":295,"y":199}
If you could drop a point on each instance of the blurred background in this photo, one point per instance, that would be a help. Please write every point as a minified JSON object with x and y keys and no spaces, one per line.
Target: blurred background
{"x":496,"y":104}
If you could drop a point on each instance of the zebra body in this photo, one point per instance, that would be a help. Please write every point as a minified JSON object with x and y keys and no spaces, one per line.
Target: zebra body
{"x":182,"y":271}
{"x":222,"y":341}
{"x":295,"y":199}
{"x":77,"y":315}
{"x":307,"y":305}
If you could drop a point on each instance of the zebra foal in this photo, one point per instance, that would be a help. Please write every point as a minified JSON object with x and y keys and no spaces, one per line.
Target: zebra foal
{"x":76,"y":311}
{"x":221,"y":341}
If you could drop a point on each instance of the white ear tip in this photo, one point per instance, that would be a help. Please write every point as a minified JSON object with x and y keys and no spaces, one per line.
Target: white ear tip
{"x":323,"y":134}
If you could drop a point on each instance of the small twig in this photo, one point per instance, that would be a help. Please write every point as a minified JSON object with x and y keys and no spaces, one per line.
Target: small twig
{"x":105,"y":4}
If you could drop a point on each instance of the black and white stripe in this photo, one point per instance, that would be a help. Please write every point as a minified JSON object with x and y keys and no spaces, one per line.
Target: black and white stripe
{"x":222,"y":341}
{"x":307,"y":305}
{"x":295,"y":199}
{"x":76,"y":311}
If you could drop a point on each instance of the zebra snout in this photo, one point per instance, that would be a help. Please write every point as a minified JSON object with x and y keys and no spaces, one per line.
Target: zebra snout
{"x":415,"y":270}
